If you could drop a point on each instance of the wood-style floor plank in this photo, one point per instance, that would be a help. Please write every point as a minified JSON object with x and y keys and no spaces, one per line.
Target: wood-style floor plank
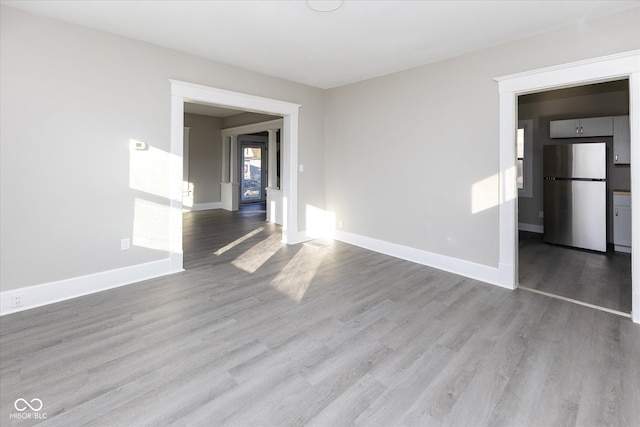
{"x":602,"y":279}
{"x":259,"y":333}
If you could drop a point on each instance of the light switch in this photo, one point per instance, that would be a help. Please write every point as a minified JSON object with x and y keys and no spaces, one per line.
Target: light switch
{"x":301,"y":168}
{"x":138,"y":145}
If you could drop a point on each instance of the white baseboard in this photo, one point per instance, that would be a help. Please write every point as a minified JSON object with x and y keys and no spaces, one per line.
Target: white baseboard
{"x":469,"y":269}
{"x":49,"y":293}
{"x":534,"y":228}
{"x":635,"y":302}
{"x":203,"y":206}
{"x":299,"y":237}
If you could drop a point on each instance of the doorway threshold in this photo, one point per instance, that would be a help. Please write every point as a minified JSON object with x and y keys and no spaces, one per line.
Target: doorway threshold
{"x":575,"y":301}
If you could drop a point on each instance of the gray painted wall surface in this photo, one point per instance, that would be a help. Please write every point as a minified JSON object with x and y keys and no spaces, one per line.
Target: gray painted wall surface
{"x":246,"y":119}
{"x":205,"y":156}
{"x":409,"y":155}
{"x":71,"y":99}
{"x":607,"y":99}
{"x":402,"y":158}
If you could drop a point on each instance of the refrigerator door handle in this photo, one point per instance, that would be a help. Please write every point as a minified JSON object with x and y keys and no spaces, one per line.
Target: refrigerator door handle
{"x":616,"y":211}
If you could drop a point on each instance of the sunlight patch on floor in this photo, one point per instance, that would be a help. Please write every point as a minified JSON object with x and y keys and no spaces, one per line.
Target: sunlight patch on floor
{"x":295,"y":278}
{"x":238,"y":241}
{"x":252,"y":259}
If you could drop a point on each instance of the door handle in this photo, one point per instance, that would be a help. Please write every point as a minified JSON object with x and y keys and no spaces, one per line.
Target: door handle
{"x":616,"y":211}
{"x":616,"y":157}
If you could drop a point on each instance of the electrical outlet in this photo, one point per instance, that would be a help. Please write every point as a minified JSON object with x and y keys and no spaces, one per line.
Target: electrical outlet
{"x":125,"y":244}
{"x":16,"y":300}
{"x":341,"y":224}
{"x":541,"y":214}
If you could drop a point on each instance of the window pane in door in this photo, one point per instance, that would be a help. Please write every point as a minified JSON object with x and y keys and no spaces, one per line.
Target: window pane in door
{"x":251,"y":174}
{"x":520,"y":143}
{"x":520,"y":179}
{"x":520,"y":158}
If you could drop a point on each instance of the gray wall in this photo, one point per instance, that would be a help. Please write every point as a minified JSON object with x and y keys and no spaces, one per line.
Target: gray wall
{"x":71,"y":99}
{"x":409,"y":154}
{"x":606,"y":99}
{"x":246,"y":119}
{"x":205,"y":156}
{"x":400,"y":158}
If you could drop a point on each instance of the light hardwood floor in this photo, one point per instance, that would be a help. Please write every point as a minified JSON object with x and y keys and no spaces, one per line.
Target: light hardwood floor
{"x":256,"y":333}
{"x":602,"y":279}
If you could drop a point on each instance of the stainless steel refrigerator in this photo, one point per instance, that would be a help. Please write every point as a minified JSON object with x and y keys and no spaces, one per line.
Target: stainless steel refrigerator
{"x":575,"y":195}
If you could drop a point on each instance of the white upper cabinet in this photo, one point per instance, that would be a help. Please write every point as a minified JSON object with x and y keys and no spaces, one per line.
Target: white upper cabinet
{"x":577,"y":128}
{"x":621,"y":140}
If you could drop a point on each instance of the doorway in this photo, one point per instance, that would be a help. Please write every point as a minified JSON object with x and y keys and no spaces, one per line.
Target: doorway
{"x":619,"y":66}
{"x":550,"y":256}
{"x":182,"y":92}
{"x":253,"y":167}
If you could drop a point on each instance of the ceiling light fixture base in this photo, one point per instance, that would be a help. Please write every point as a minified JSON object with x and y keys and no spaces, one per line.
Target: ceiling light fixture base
{"x":324,"y":5}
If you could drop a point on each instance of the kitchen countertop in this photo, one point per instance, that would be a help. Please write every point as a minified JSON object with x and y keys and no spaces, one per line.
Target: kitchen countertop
{"x":622,"y":192}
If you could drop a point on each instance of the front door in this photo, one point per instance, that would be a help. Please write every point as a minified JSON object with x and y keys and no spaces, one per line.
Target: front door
{"x":253,"y":168}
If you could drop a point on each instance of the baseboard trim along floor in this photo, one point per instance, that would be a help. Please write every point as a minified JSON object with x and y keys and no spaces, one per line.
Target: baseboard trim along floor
{"x":74,"y":287}
{"x":468,"y":269}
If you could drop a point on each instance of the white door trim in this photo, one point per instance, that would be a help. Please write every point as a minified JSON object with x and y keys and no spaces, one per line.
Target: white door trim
{"x":607,"y":68}
{"x":189,"y":92}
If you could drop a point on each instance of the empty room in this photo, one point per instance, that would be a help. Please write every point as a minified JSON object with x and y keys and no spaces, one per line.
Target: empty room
{"x":327,"y":213}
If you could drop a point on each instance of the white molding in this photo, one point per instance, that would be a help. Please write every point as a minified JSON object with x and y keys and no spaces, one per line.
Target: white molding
{"x":533,"y":228}
{"x":441,"y":262}
{"x":184,"y":91}
{"x":221,"y":97}
{"x":61,"y":290}
{"x":289,"y":178}
{"x":508,"y":192}
{"x":175,"y":181}
{"x":602,"y":69}
{"x":299,"y":237}
{"x":634,"y":129}
{"x":203,"y":206}
{"x":274,"y":205}
{"x":229,"y":195}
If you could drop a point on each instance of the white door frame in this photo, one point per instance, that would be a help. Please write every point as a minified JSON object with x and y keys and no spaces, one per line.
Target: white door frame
{"x":182,"y":92}
{"x":608,"y":68}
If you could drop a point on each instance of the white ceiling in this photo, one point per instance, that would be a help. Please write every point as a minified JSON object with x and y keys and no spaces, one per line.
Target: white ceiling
{"x":360,"y":40}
